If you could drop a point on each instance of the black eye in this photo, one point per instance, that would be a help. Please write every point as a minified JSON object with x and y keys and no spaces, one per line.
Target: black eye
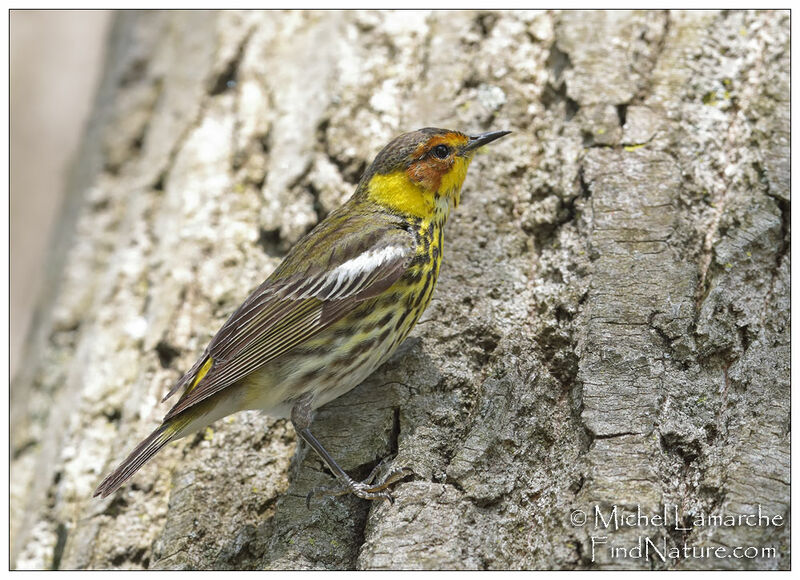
{"x":441,"y":151}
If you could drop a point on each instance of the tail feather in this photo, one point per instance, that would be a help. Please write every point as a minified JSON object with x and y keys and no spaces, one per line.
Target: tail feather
{"x":138,"y":457}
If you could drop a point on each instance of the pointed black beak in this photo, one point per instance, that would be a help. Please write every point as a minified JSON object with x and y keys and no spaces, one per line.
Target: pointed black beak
{"x":482,"y":139}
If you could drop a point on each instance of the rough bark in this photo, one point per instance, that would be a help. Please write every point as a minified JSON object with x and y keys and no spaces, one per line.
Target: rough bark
{"x":611,"y":325}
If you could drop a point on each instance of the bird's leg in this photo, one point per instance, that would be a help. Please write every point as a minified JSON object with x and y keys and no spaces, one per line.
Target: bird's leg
{"x":301,"y":419}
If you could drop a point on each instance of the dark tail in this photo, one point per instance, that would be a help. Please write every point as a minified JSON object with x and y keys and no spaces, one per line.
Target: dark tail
{"x":138,"y":457}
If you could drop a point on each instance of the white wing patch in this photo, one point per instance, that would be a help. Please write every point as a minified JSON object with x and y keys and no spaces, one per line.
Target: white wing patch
{"x":348,"y":278}
{"x":368,"y":261}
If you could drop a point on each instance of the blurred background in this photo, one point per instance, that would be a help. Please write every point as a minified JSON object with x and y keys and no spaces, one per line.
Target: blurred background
{"x":56,"y":57}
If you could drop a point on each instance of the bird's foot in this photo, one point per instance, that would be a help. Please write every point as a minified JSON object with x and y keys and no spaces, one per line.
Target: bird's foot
{"x":363,"y":489}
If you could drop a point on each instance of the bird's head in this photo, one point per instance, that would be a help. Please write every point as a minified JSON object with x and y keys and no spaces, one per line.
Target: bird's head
{"x":418,"y":171}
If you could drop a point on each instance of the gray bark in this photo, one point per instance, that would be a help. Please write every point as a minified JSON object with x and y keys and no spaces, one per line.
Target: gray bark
{"x":611,"y":325}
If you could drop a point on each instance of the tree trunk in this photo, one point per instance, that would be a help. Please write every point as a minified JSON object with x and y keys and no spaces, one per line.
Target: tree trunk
{"x":611,"y":326}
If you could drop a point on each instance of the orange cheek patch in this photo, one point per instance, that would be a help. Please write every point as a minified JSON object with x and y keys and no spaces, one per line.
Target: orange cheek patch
{"x":429,"y":173}
{"x":426,"y":173}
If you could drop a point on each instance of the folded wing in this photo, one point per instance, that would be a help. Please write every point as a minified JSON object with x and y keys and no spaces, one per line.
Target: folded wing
{"x":295,"y":304}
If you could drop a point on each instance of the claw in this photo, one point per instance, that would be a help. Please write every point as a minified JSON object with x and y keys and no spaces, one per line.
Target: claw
{"x":363,"y":489}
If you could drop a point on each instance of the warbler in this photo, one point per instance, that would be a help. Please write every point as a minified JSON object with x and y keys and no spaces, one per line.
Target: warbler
{"x":337,"y":306}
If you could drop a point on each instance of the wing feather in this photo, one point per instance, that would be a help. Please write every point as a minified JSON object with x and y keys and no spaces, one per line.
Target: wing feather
{"x":283,"y":312}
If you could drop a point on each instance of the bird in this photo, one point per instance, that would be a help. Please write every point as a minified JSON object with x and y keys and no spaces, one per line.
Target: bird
{"x":336,"y":307}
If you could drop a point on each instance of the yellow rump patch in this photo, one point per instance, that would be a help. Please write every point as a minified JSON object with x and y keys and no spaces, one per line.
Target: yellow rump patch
{"x":203,"y":371}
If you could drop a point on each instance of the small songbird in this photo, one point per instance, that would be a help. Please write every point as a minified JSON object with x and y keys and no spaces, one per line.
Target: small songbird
{"x":336,"y":307}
